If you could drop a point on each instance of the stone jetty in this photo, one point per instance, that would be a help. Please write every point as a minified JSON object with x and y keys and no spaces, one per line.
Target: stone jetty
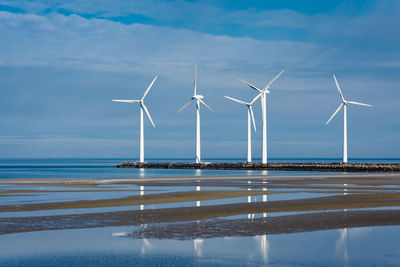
{"x":325,"y":167}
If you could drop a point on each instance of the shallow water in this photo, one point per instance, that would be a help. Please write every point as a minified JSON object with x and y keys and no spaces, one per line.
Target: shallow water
{"x":372,"y":246}
{"x":54,"y":197}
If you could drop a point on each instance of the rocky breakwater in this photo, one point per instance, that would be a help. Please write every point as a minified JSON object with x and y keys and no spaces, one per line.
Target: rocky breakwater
{"x":331,"y":167}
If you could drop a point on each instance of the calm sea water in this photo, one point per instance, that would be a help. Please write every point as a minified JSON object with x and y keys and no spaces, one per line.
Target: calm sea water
{"x":105,"y":167}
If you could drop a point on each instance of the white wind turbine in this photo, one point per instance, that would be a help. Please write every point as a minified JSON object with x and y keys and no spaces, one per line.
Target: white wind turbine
{"x":343,"y":104}
{"x":199,"y":99}
{"x":142,"y":107}
{"x":263,"y":92}
{"x":250,"y":117}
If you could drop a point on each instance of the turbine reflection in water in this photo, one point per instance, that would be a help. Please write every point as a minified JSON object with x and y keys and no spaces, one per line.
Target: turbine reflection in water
{"x":141,"y":192}
{"x":262,"y":239}
{"x":198,"y":189}
{"x":198,"y":247}
{"x":197,"y":172}
{"x":146,"y":245}
{"x":342,"y":241}
{"x":264,"y":246}
{"x":264,"y":196}
{"x":198,"y":242}
{"x":250,"y":215}
{"x":142,"y":174}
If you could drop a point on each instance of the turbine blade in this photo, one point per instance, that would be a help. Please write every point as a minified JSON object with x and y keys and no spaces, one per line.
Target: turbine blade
{"x":252,"y":86}
{"x":184,"y":106}
{"x":254,"y":99}
{"x":252,"y":118}
{"x":338,"y":87}
{"x":237,"y":100}
{"x":195,"y":82}
{"x":125,"y":101}
{"x":333,"y":115}
{"x":273,"y":80}
{"x":204,"y":103}
{"x":359,"y":103}
{"x":148,"y":114}
{"x":148,"y":88}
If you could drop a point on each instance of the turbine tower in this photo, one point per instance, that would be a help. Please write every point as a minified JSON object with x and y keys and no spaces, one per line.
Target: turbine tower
{"x":142,"y":107}
{"x":344,"y":105}
{"x":263,"y":92}
{"x":198,"y":99}
{"x":250,"y":117}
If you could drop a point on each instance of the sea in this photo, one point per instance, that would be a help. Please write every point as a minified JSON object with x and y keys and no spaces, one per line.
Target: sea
{"x":13,"y":168}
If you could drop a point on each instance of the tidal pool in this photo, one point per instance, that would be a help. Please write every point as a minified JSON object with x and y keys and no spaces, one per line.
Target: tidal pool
{"x":369,"y":246}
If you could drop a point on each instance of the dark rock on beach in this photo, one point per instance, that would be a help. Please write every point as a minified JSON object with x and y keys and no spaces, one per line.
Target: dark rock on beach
{"x":331,"y":167}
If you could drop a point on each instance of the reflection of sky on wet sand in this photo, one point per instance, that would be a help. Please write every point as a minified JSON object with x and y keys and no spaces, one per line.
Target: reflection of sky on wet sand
{"x":376,"y":246}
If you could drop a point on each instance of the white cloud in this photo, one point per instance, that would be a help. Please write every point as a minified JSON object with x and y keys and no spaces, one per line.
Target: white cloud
{"x":75,"y":42}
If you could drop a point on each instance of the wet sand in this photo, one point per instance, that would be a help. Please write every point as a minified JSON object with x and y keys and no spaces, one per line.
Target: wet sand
{"x":266,"y":226}
{"x":349,"y":192}
{"x":134,"y":200}
{"x":204,"y":213}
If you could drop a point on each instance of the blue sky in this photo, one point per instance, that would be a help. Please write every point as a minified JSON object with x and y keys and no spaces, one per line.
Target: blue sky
{"x":61,"y":63}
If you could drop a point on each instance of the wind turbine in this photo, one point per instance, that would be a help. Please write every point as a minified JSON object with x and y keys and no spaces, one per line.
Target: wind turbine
{"x":250,"y":117}
{"x":344,"y":105}
{"x":198,"y":99}
{"x":142,"y":107}
{"x":263,"y":92}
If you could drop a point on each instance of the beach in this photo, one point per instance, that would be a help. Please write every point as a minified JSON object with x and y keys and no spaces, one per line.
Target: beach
{"x":187,"y":207}
{"x":87,"y":212}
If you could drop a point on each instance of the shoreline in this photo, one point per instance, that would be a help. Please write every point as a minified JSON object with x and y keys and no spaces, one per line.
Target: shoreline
{"x":90,"y":182}
{"x":325,"y":167}
{"x":376,"y":178}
